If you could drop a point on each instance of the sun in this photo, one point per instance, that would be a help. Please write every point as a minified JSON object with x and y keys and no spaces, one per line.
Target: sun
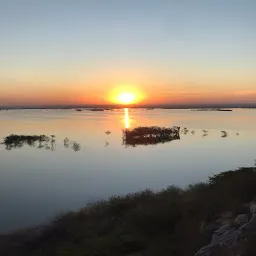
{"x":126,"y":97}
{"x":125,"y":94}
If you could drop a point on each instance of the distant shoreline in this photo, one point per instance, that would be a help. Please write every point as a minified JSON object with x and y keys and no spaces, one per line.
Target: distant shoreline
{"x":99,"y":108}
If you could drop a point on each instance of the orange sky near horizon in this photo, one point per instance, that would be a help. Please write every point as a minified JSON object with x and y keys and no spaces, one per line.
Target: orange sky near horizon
{"x":109,"y":95}
{"x":151,"y":87}
{"x":165,"y":52}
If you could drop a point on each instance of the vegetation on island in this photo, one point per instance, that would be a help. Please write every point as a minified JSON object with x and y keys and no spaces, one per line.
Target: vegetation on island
{"x":150,"y":135}
{"x":173,"y":221}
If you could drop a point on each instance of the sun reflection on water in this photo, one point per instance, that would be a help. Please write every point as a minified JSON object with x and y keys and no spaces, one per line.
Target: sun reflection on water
{"x":126,"y":118}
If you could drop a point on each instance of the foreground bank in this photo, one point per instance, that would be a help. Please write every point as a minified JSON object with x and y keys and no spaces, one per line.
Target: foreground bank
{"x":205,"y":218}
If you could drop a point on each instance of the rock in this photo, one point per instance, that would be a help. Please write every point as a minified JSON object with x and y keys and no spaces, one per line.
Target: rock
{"x":209,"y":228}
{"x":207,"y":250}
{"x":253,"y":208}
{"x":241,"y":219}
{"x":222,"y":235}
{"x":222,"y":229}
{"x":253,"y":218}
{"x":228,"y":236}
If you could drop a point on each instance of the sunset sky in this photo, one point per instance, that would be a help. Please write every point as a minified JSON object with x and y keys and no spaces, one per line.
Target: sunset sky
{"x":165,"y":51}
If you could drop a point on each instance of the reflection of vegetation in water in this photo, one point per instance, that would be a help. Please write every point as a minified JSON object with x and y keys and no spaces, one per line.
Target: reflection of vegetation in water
{"x":106,"y":143}
{"x":224,"y":134}
{"x":205,"y":133}
{"x":39,"y":141}
{"x":76,"y":146}
{"x":150,"y":135}
{"x":185,"y":130}
{"x":66,"y":142}
{"x":73,"y":144}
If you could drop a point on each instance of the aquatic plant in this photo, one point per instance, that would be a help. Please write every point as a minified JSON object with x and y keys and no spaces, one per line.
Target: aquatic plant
{"x":66,"y":142}
{"x":185,"y":130}
{"x":150,"y":135}
{"x":18,"y":141}
{"x":73,"y":144}
{"x":224,"y":134}
{"x":205,"y":133}
{"x":108,"y":132}
{"x":76,"y":146}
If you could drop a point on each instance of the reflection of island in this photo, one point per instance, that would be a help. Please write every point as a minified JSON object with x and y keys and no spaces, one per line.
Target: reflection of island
{"x":211,"y":109}
{"x":150,"y":135}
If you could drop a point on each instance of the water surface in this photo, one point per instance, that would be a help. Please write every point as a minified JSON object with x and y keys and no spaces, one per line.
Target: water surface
{"x":38,"y":183}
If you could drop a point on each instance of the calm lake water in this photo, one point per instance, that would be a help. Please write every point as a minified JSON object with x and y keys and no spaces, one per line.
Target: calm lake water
{"x":38,"y":183}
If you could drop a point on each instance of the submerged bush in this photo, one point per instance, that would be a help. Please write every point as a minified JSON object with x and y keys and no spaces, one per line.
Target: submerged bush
{"x":150,"y":135}
{"x":18,"y":141}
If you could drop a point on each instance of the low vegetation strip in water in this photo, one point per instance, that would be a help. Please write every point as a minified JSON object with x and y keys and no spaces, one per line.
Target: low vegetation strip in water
{"x":14,"y":140}
{"x":37,"y":141}
{"x":150,"y":135}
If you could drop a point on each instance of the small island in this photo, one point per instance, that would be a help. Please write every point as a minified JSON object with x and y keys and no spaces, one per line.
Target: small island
{"x":150,"y":135}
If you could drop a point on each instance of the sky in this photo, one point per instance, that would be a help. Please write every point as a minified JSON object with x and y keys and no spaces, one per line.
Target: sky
{"x":62,"y":52}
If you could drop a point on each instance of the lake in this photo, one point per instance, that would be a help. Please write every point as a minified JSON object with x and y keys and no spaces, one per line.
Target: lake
{"x":85,"y":163}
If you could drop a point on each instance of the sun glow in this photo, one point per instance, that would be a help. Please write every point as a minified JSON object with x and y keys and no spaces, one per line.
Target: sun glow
{"x":126,"y":97}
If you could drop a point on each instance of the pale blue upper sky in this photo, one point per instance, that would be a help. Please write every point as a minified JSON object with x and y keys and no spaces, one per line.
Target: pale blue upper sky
{"x":171,"y":44}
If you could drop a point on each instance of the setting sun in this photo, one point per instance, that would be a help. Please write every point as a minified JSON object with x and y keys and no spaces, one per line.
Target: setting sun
{"x":126,"y":98}
{"x":125,"y":94}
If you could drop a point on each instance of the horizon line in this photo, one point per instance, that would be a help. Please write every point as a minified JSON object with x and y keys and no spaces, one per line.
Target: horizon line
{"x":171,"y":106}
